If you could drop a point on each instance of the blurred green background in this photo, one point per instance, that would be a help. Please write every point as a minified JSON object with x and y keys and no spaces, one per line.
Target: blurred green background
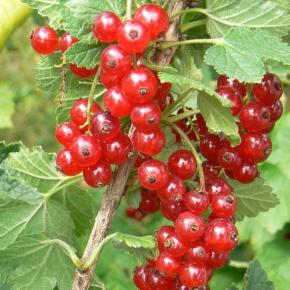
{"x":28,"y":114}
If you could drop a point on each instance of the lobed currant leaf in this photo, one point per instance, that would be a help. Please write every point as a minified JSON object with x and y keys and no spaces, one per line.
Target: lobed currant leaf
{"x":6,"y":149}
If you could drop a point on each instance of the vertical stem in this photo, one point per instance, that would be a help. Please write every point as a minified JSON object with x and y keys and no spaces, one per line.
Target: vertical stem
{"x":129,"y":9}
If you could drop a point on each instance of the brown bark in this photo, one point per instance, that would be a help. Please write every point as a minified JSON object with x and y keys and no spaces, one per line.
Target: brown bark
{"x":113,"y":195}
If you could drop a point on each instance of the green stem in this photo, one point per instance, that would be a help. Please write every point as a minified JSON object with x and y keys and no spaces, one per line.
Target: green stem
{"x":129,"y":9}
{"x":165,"y":4}
{"x":168,"y":44}
{"x":182,"y":116}
{"x":193,"y":150}
{"x":191,"y":10}
{"x":192,"y":24}
{"x":238,"y":264}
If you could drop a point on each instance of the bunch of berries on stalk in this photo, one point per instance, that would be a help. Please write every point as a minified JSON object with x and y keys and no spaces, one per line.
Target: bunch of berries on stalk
{"x":203,"y":233}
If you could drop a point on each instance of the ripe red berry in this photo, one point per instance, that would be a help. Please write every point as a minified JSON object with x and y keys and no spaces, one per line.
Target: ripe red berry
{"x":210,"y":169}
{"x":209,"y":147}
{"x":66,"y":41}
{"x":86,"y":150}
{"x":158,"y":281}
{"x":149,"y":201}
{"x":140,"y":159}
{"x":117,"y":103}
{"x":105,"y":26}
{"x":165,"y":101}
{"x":173,"y":191}
{"x":82,"y":72}
{"x":192,"y":275}
{"x":168,"y":264}
{"x":146,"y":117}
{"x":246,"y":173}
{"x":276,"y":111}
{"x":140,"y":85}
{"x":196,"y":202}
{"x":255,"y":147}
{"x":161,"y":236}
{"x":152,"y":174}
{"x":140,"y":277}
{"x":44,"y":40}
{"x":66,"y":132}
{"x":149,"y":143}
{"x":189,"y":227}
{"x":98,"y":175}
{"x":154,"y":17}
{"x":200,"y":125}
{"x":198,"y":253}
{"x":116,"y":150}
{"x":182,"y":164}
{"x":135,"y":213}
{"x":217,"y":185}
{"x":133,"y":36}
{"x":269,"y":90}
{"x":174,"y":245}
{"x":78,"y":112}
{"x":171,"y":210}
{"x":255,"y":117}
{"x":217,"y":260}
{"x":223,"y":205}
{"x":104,"y":126}
{"x":221,"y":236}
{"x":224,"y":81}
{"x":233,"y":96}
{"x":66,"y":164}
{"x":109,"y":81}
{"x":229,"y":158}
{"x":115,"y":61}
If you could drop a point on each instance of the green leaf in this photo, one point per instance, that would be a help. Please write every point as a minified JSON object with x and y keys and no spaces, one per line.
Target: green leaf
{"x":274,"y":257}
{"x":261,"y":14}
{"x":6,"y":149}
{"x":217,"y":117}
{"x":256,"y":278}
{"x":242,"y":52}
{"x":232,"y":287}
{"x":133,"y":197}
{"x":37,"y":263}
{"x":7,"y":106}
{"x":84,"y":54}
{"x":253,"y":198}
{"x":50,"y":9}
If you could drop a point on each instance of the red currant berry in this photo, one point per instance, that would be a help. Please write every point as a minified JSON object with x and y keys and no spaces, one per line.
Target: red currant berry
{"x":146,"y":117}
{"x":192,"y":275}
{"x":105,"y":27}
{"x":82,"y":72}
{"x":135,"y":213}
{"x":98,"y":175}
{"x":173,"y":191}
{"x":269,"y":90}
{"x":177,"y":285}
{"x":200,"y":125}
{"x":154,"y":17}
{"x":133,"y":36}
{"x":66,"y":164}
{"x":196,"y":202}
{"x":233,"y":96}
{"x":164,"y":102}
{"x":116,"y":150}
{"x":216,"y":185}
{"x":223,"y":205}
{"x":255,"y":147}
{"x":78,"y":112}
{"x":117,"y":103}
{"x":168,"y":264}
{"x":115,"y":62}
{"x":44,"y":40}
{"x":174,"y":245}
{"x":109,"y":81}
{"x":224,"y":81}
{"x":152,"y":174}
{"x":276,"y":111}
{"x":221,"y":236}
{"x":66,"y":132}
{"x":198,"y":253}
{"x":140,"y":85}
{"x":217,"y":260}
{"x":149,"y":202}
{"x":172,"y":210}
{"x":66,"y":41}
{"x":140,"y":277}
{"x":105,"y":126}
{"x":209,"y":147}
{"x":210,"y":169}
{"x":182,"y":164}
{"x":140,"y":159}
{"x":189,"y":227}
{"x":255,"y":117}
{"x":86,"y":150}
{"x":149,"y":143}
{"x":161,"y":235}
{"x":229,"y":158}
{"x":246,"y":173}
{"x":157,"y":281}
